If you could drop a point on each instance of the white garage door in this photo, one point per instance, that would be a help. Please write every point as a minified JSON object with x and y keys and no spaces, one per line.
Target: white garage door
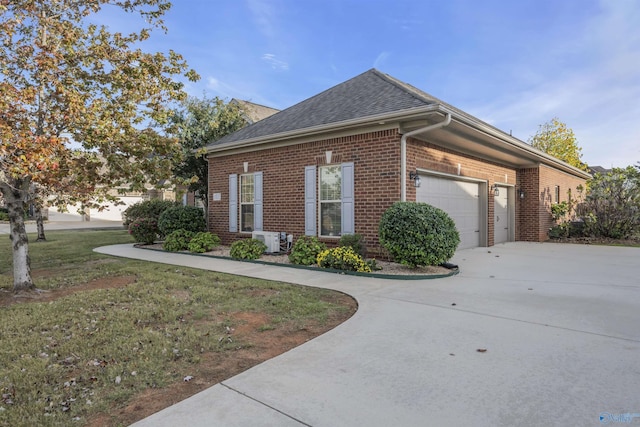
{"x":113,"y":212}
{"x":460,"y":199}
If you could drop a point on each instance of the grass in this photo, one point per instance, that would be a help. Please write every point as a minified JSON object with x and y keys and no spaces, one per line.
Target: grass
{"x":87,"y":352}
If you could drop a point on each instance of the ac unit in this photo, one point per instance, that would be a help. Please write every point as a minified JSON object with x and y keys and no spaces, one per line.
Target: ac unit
{"x":269,"y":238}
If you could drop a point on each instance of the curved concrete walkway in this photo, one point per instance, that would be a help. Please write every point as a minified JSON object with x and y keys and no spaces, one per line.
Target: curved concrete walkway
{"x":560,"y":323}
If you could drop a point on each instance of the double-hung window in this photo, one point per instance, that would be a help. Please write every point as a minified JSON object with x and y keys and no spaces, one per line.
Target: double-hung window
{"x":247,"y":199}
{"x":329,"y":200}
{"x":245,"y":196}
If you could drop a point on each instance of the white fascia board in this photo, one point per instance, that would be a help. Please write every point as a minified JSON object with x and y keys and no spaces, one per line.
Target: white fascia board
{"x":331,"y":127}
{"x":518,"y":146}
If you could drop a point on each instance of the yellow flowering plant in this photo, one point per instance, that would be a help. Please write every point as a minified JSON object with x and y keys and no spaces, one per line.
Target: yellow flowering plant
{"x":342,"y":258}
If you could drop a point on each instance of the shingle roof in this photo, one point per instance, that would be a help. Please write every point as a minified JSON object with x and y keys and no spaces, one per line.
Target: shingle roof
{"x":598,"y":169}
{"x":368,"y":94}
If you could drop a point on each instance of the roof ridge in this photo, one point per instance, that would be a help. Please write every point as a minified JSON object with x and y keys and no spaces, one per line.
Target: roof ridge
{"x":369,"y":93}
{"x":407,"y":88}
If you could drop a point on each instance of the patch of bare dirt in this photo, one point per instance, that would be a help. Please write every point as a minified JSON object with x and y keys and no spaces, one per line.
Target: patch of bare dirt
{"x":264,"y":342}
{"x":215,"y":367}
{"x":8,"y":298}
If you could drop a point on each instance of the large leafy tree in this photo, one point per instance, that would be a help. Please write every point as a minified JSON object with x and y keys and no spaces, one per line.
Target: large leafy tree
{"x":558,"y":140}
{"x":76,"y":101}
{"x":611,"y":207}
{"x":198,"y":122}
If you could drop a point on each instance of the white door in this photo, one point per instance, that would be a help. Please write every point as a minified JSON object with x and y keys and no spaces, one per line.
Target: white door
{"x":459,"y":199}
{"x":501,"y":218}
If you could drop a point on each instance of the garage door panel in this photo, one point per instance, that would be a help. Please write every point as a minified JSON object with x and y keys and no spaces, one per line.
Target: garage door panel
{"x":459,"y":199}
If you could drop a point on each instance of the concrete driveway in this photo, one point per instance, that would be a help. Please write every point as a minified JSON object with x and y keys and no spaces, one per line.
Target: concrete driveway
{"x":560,"y":325}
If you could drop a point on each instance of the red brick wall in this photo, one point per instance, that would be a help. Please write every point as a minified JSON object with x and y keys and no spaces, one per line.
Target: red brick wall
{"x":528,"y":214}
{"x":424,"y":155}
{"x":539,"y":185}
{"x":549,"y":179}
{"x":376,"y":156}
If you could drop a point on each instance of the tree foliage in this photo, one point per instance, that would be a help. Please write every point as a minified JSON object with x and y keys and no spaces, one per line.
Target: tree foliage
{"x":198,"y":122}
{"x":558,"y":140}
{"x":612,"y":204}
{"x":64,"y":80}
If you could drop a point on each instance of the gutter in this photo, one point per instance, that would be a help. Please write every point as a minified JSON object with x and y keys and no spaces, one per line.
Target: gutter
{"x":403,"y":151}
{"x":515,"y":143}
{"x":331,"y":127}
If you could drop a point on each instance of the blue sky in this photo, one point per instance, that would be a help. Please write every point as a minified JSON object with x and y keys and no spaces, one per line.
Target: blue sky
{"x":514,"y":64}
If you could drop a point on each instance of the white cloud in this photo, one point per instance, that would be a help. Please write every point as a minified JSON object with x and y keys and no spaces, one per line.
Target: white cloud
{"x":274,"y":62}
{"x":263,"y":13}
{"x":381,"y":59}
{"x":597,"y":96}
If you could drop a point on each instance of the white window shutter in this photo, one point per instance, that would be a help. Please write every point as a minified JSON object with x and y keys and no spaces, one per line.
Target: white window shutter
{"x":233,"y":203}
{"x":257,"y":201}
{"x":348,"y":191}
{"x":310,"y":200}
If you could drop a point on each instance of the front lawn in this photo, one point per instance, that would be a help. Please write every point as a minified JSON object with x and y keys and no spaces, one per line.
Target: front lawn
{"x":112,"y":340}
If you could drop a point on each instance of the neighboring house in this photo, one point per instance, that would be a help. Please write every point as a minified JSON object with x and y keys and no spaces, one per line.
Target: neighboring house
{"x":109,"y":211}
{"x":598,"y":169}
{"x":332,"y":164}
{"x":254,"y":112}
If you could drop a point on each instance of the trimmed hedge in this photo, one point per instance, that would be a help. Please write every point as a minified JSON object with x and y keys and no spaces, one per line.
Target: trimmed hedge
{"x":418,"y":234}
{"x":144,"y":230}
{"x":188,"y":218}
{"x":147,"y":209}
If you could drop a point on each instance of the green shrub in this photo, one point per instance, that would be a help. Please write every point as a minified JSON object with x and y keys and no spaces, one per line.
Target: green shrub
{"x":418,"y":234}
{"x":144,"y":230}
{"x":247,"y":249}
{"x":306,"y":249}
{"x":355,"y":242}
{"x":342,"y":258}
{"x":178,"y":240}
{"x":4,"y":216}
{"x":611,"y":207}
{"x":188,"y":218}
{"x":203,"y":242}
{"x":146,"y":209}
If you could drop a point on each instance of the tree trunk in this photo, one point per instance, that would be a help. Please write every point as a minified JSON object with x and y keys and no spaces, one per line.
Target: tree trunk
{"x":40,"y":223}
{"x":15,"y":193}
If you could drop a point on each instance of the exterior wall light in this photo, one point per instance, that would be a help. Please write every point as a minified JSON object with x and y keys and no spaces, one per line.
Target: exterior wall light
{"x":415,"y":177}
{"x":521,"y":193}
{"x":496,"y":190}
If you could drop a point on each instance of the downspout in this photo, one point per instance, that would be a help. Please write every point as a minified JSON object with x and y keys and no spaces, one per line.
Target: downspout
{"x":403,"y":152}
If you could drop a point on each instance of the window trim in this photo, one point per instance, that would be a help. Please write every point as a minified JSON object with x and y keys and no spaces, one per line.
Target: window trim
{"x":328,"y":201}
{"x":557,"y":193}
{"x":234,"y":203}
{"x":242,"y":203}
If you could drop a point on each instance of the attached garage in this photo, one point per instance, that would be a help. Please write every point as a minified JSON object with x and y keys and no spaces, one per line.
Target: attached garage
{"x":464,"y":203}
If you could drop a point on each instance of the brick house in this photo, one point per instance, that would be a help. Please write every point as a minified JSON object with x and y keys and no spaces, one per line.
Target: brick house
{"x":332,"y":164}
